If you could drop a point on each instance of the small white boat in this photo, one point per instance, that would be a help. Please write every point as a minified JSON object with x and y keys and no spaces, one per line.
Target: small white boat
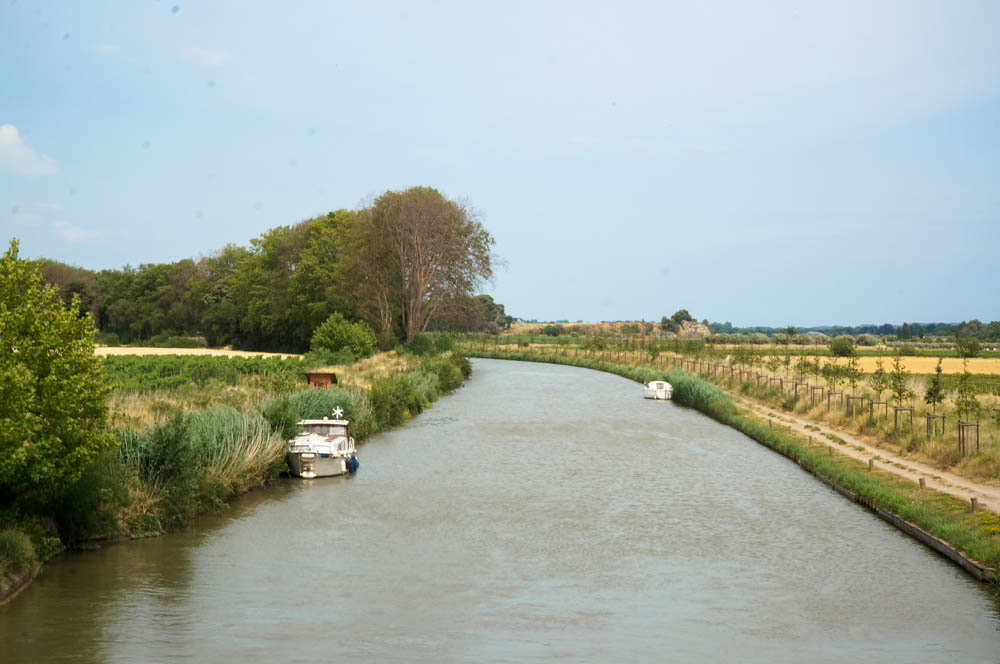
{"x":323,"y":449}
{"x":657,"y":389}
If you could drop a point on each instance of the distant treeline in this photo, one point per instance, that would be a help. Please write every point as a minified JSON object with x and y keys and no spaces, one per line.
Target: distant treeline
{"x":904,"y":332}
{"x":273,"y":294}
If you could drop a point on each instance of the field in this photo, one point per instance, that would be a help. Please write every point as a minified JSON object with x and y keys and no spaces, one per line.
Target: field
{"x":216,"y":352}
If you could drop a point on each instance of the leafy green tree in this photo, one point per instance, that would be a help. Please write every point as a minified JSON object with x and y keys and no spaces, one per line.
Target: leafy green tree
{"x":853,"y":373}
{"x":681,"y":315}
{"x":842,"y":346}
{"x":967,"y":347}
{"x":966,"y":403}
{"x":934,"y":394}
{"x":53,"y":411}
{"x":337,"y":335}
{"x":898,"y":379}
{"x":879,"y":379}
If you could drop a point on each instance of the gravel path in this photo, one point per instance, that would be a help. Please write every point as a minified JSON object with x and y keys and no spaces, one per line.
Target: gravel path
{"x":987,"y":495}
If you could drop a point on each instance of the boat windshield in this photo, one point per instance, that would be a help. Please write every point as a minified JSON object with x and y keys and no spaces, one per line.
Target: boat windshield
{"x":327,"y":429}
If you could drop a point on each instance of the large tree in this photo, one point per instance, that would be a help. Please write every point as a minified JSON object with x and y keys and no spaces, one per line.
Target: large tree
{"x":410,"y":254}
{"x":52,"y":410}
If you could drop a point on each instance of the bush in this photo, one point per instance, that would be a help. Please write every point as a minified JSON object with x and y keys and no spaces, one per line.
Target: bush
{"x":867,"y":340}
{"x":967,"y":346}
{"x":282,"y":416}
{"x":907,"y":349}
{"x":91,"y":505}
{"x":337,"y":334}
{"x":842,"y":346}
{"x":16,"y":551}
{"x":421,"y":344}
{"x":554,"y":330}
{"x":444,"y":342}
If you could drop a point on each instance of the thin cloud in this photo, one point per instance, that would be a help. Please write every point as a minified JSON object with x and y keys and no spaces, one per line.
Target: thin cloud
{"x":72,"y":234}
{"x":16,"y":156}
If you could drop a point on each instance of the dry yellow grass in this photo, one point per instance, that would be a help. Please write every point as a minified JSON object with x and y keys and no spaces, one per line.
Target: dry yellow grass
{"x":926,"y":365}
{"x":363,"y":372}
{"x":226,"y":352}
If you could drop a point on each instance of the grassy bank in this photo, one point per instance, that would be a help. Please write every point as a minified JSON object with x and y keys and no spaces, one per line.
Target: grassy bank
{"x":192,"y":435}
{"x":975,"y":534}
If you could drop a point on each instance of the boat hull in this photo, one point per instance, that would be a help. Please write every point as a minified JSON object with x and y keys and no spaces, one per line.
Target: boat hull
{"x":309,"y":465}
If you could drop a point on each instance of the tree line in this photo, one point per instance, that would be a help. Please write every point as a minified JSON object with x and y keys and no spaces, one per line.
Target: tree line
{"x":409,"y":262}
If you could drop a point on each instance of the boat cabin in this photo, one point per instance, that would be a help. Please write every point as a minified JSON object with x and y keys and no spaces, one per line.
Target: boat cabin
{"x":326,"y":428}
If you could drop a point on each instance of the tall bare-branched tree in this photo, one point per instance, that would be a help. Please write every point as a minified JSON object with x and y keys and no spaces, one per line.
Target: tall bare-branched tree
{"x":418,"y":251}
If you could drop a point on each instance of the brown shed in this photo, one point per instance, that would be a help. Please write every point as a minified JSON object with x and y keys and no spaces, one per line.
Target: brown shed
{"x":322,"y":379}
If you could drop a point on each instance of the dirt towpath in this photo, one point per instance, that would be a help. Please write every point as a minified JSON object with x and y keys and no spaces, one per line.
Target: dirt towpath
{"x":987,"y":495}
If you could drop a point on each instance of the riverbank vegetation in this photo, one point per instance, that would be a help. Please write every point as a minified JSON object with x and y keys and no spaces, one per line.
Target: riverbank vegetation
{"x":975,"y":534}
{"x":98,"y":448}
{"x":183,"y":447}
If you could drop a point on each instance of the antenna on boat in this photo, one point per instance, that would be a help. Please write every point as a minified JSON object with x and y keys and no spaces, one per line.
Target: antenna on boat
{"x":338,"y":413}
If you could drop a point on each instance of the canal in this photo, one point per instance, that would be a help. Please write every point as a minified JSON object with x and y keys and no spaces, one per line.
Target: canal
{"x":540,"y":512}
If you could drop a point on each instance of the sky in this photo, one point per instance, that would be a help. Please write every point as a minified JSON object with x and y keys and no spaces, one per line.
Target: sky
{"x":764,"y":163}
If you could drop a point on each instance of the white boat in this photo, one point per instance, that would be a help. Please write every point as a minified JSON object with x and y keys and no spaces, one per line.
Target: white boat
{"x":657,"y":389}
{"x":323,"y":449}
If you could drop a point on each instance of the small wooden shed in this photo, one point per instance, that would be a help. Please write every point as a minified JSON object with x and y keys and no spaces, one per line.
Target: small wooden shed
{"x":322,"y":379}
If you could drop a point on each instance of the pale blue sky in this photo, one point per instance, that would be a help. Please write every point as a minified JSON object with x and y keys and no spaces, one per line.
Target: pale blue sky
{"x":763,"y":163}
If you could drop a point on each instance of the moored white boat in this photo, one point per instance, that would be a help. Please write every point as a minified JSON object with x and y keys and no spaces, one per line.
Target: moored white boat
{"x":323,"y":449}
{"x":657,"y":389}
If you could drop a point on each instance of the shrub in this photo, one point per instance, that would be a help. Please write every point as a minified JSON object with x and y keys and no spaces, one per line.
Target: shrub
{"x":337,"y":334}
{"x":967,"y":346}
{"x":842,"y":346}
{"x":444,"y":342}
{"x":282,"y":416}
{"x":421,"y":344}
{"x":867,"y":340}
{"x":16,"y":551}
{"x":556,"y":330}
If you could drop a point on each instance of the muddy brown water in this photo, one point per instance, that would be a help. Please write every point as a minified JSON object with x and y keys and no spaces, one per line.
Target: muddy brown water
{"x":541,"y":512}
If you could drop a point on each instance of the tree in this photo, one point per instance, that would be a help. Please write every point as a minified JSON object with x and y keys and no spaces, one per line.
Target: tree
{"x":668,"y":324}
{"x":681,"y":315}
{"x":905,"y":332}
{"x":409,"y":253}
{"x":967,"y":346}
{"x":337,"y":335}
{"x":853,"y":373}
{"x":842,"y":346}
{"x":898,"y":378}
{"x":934,"y":394}
{"x":879,"y":379}
{"x":966,"y":402}
{"x":53,"y":411}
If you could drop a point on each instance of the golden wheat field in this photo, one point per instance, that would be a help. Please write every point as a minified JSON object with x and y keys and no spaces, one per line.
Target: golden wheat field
{"x":225,"y":352}
{"x":926,"y":365}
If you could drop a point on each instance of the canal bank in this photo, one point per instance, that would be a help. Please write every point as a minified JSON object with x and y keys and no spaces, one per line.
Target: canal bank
{"x":540,"y":512}
{"x":940,"y":521}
